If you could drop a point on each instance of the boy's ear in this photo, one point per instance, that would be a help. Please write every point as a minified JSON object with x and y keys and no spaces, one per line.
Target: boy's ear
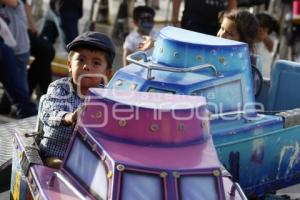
{"x":109,"y":73}
{"x":69,"y":65}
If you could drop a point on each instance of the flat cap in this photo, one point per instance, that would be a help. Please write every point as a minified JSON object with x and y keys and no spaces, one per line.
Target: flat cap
{"x":94,"y":39}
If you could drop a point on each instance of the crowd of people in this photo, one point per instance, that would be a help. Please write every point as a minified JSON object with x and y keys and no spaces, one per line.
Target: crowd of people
{"x":21,"y":39}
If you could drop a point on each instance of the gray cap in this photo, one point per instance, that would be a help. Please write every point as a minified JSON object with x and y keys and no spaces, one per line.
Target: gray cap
{"x":94,"y":39}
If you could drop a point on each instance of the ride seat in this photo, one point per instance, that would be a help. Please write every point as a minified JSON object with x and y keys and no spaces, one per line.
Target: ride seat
{"x":283,"y":93}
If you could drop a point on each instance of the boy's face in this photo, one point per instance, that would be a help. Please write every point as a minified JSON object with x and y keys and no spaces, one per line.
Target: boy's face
{"x":145,"y":23}
{"x":88,"y":68}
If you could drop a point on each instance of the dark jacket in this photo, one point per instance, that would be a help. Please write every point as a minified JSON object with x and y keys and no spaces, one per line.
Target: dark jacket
{"x":60,"y":6}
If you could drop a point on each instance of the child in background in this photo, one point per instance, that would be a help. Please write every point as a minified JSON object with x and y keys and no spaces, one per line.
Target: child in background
{"x":239,"y":25}
{"x":267,"y":25}
{"x":90,"y":58}
{"x":265,"y":40}
{"x":143,"y":18}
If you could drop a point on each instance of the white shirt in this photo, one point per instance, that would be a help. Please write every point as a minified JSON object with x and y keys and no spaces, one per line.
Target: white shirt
{"x":134,"y":38}
{"x":6,"y":35}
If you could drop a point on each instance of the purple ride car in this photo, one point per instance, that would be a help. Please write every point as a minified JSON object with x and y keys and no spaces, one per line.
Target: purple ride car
{"x":129,"y":145}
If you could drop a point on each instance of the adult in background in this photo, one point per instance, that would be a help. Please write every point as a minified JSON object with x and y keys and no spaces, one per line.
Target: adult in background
{"x":202,"y":15}
{"x":62,"y":19}
{"x":39,"y":73}
{"x":14,"y":61}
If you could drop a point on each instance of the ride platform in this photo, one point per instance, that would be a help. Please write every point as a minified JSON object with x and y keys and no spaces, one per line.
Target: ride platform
{"x":6,"y":147}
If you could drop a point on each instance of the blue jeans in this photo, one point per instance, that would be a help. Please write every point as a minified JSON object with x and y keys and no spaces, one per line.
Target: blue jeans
{"x":14,"y":79}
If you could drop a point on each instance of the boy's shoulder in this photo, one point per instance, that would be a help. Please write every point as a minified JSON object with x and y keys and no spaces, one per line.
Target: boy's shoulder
{"x":61,"y":81}
{"x":60,"y":87}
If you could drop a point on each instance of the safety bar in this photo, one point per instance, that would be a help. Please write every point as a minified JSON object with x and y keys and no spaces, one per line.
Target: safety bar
{"x":153,"y":66}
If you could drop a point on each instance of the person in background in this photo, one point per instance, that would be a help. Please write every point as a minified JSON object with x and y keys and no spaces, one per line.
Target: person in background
{"x":62,"y":19}
{"x":265,"y":40}
{"x":90,"y":58}
{"x":14,"y":14}
{"x":241,"y":25}
{"x":267,"y":25}
{"x":5,"y":35}
{"x":201,"y":15}
{"x":39,"y":73}
{"x":143,"y":18}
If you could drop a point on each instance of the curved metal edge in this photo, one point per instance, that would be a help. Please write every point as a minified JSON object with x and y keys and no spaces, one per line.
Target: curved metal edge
{"x":237,"y":187}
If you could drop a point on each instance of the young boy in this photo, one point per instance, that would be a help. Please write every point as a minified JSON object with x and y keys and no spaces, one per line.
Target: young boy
{"x":90,"y":57}
{"x":143,"y":18}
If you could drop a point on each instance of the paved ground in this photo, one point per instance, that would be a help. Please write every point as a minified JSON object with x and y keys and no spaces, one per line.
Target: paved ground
{"x":4,"y":195}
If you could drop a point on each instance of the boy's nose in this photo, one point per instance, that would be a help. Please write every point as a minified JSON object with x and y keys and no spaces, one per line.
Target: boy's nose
{"x":86,"y":67}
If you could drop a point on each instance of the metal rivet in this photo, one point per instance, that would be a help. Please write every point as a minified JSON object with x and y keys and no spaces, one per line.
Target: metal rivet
{"x":222,"y":60}
{"x":209,"y":115}
{"x":98,"y":114}
{"x":163,"y":174}
{"x":199,"y":58}
{"x":161,"y":50}
{"x":109,"y":174}
{"x":181,"y":127}
{"x":176,"y":174}
{"x":133,"y":86}
{"x":120,"y":167}
{"x":119,"y":82}
{"x":94,"y":147}
{"x":122,"y":122}
{"x":203,"y":124}
{"x":216,"y":172}
{"x":85,"y":137}
{"x":232,"y":132}
{"x":154,"y":127}
{"x":176,"y":55}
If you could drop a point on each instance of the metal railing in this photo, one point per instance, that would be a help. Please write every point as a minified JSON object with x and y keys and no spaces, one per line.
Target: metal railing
{"x":145,"y":63}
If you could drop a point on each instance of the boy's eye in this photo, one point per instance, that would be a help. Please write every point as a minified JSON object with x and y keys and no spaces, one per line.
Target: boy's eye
{"x":80,"y":59}
{"x":97,"y":63}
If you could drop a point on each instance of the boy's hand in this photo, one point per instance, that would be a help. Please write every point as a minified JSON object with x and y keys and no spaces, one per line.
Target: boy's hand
{"x":71,"y":118}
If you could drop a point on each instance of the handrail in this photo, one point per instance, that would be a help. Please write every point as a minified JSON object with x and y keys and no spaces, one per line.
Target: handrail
{"x":153,"y":66}
{"x":236,"y":187}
